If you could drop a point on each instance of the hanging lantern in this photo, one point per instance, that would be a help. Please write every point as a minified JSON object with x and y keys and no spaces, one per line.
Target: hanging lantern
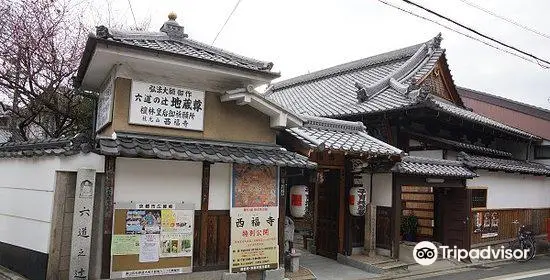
{"x":298,"y":201}
{"x":357,"y":201}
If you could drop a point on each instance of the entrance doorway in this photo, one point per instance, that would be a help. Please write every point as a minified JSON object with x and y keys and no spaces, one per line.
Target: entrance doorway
{"x":452,"y":216}
{"x":327,"y":223}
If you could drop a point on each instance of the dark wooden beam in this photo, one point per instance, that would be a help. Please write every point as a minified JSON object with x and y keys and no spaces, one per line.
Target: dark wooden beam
{"x":341,"y":211}
{"x":205,"y":190}
{"x":396,"y":216}
{"x":108,"y":206}
{"x":282,"y":212}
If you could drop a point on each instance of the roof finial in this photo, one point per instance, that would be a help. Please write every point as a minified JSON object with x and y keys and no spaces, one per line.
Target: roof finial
{"x":172,"y":16}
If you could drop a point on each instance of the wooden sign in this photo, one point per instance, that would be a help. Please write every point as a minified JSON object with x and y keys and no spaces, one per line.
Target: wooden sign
{"x":166,"y":106}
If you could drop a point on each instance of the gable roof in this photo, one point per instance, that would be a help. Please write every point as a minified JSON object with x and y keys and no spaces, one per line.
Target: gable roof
{"x":332,"y":92}
{"x":4,"y":136}
{"x":171,"y":40}
{"x":381,"y":83}
{"x":324,"y":133}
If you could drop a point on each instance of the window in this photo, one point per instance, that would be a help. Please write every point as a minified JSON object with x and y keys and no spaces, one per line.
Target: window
{"x":479,"y":198}
{"x":542,"y":152}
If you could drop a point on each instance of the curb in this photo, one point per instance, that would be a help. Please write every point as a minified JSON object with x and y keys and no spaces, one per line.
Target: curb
{"x":462,"y":268}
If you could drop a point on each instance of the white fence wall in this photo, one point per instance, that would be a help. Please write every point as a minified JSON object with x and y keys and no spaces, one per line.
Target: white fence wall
{"x":166,"y":181}
{"x":27,"y":188}
{"x":513,"y":190}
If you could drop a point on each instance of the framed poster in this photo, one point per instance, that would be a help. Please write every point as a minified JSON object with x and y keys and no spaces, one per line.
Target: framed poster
{"x":254,"y":218}
{"x":152,"y":238}
{"x":166,"y":106}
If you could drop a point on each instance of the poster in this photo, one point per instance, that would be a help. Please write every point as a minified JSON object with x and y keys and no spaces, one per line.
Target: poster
{"x":166,"y":106}
{"x":143,"y":221}
{"x":176,"y":245}
{"x":177,"y":221}
{"x":123,"y":244}
{"x":254,"y":218}
{"x":152,"y":238}
{"x":149,"y":248}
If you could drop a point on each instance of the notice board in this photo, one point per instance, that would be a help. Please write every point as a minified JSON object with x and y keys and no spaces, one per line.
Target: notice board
{"x":152,"y":238}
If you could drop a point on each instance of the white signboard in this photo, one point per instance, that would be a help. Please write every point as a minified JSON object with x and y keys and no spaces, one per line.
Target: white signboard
{"x":105,"y":104}
{"x":82,"y":224}
{"x":166,"y":106}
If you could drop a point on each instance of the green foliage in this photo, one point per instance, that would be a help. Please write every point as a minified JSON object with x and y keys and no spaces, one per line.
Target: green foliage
{"x":409,"y":224}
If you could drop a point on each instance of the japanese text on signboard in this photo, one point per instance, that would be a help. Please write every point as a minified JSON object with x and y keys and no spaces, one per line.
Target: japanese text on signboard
{"x":166,"y":106}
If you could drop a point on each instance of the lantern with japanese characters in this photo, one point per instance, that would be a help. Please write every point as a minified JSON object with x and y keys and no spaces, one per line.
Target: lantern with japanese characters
{"x":298,"y":201}
{"x":357,"y":201}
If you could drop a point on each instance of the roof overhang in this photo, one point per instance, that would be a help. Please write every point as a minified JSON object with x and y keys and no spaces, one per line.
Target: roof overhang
{"x":101,"y":55}
{"x":279,"y":117}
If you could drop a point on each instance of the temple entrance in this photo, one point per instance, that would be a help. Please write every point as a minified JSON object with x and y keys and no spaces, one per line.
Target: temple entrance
{"x":452,"y":216}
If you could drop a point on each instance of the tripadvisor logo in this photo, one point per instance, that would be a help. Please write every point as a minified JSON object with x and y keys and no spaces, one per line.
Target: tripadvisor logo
{"x":425,"y":253}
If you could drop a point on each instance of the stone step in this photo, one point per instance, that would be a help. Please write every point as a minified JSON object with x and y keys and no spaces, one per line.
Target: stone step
{"x":378,"y":265}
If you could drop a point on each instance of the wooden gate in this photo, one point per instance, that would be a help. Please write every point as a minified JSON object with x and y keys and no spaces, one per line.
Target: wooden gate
{"x":327,"y":224}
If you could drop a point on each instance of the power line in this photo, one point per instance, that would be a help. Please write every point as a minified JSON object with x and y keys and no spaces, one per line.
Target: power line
{"x":480,"y":34}
{"x":132,"y":10}
{"x":456,"y":31}
{"x":226,"y":20}
{"x":505,"y":19}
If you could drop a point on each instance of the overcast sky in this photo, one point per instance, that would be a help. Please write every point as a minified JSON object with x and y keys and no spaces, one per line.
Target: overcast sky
{"x":302,"y":36}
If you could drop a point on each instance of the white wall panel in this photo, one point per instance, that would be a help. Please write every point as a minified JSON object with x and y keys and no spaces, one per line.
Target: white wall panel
{"x":29,"y":173}
{"x":220,"y":185}
{"x":89,"y":160}
{"x":381,"y":188}
{"x":438,"y":154}
{"x":514,"y":190}
{"x":26,"y":203}
{"x":30,"y":234}
{"x":158,"y":180}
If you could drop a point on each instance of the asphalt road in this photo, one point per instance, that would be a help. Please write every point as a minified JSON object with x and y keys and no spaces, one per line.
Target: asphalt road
{"x":536,"y":269}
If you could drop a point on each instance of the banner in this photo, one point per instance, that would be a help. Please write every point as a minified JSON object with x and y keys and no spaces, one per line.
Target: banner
{"x":254,"y":218}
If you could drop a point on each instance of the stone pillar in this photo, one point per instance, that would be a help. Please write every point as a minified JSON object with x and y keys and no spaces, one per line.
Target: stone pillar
{"x":370,"y":230}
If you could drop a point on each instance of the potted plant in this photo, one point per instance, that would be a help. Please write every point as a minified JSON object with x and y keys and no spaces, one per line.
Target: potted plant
{"x":409,"y":227}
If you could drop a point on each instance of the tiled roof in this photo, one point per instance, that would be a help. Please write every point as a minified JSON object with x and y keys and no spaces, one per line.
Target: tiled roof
{"x":507,"y":165}
{"x":4,"y":136}
{"x":65,"y":146}
{"x":442,"y":105}
{"x":145,"y":146}
{"x":461,"y":146}
{"x":172,"y":39}
{"x":333,"y":92}
{"x":325,"y":133}
{"x":380,"y":83}
{"x":432,"y":167}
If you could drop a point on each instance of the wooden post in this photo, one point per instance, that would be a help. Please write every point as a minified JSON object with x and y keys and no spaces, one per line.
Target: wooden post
{"x":396,"y":216}
{"x":341,"y":211}
{"x":108,"y":203}
{"x":205,"y":190}
{"x":282,"y":212}
{"x":370,"y":230}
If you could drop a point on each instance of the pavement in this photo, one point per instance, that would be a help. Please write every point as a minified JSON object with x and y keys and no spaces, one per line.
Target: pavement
{"x":326,"y":269}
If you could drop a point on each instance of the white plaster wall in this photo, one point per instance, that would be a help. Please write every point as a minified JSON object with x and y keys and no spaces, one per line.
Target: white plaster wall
{"x":514,"y":190}
{"x":158,"y":181}
{"x":220,"y":186}
{"x":381,"y":188}
{"x":27,"y":188}
{"x":438,"y":154}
